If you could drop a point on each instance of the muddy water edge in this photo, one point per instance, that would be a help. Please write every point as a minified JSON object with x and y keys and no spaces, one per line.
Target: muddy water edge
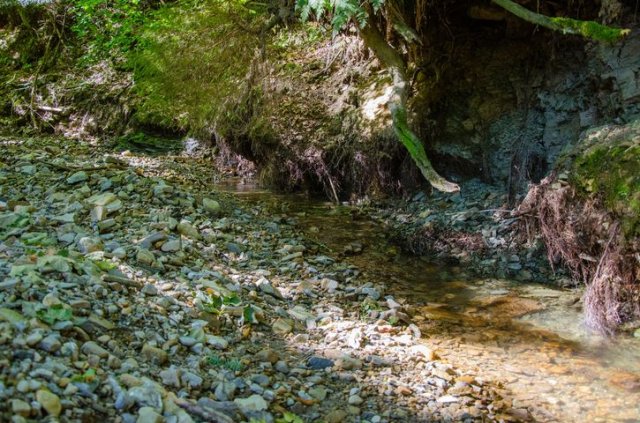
{"x":529,"y":338}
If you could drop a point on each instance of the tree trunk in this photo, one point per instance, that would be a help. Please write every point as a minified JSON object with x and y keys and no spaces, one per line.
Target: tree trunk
{"x":391,"y":59}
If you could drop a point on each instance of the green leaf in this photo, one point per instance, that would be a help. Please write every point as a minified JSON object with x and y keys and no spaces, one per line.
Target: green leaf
{"x":377,"y":4}
{"x":249,"y":315}
{"x":212,"y":304}
{"x":289,"y":417}
{"x":105,"y":265}
{"x":55,"y":313}
{"x":36,"y":238}
{"x":87,"y":377}
{"x":231,"y":300}
{"x":232,"y":364}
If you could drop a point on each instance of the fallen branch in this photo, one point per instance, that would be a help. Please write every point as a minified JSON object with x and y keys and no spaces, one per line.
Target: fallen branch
{"x":587,"y":29}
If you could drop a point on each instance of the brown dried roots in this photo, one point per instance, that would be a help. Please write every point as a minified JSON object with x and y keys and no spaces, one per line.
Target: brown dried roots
{"x":580,"y":234}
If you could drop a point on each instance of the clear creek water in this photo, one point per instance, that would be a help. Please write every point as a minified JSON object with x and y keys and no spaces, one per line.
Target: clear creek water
{"x":529,"y":338}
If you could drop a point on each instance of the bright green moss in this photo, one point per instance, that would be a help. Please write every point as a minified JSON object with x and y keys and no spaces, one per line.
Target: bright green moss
{"x":590,"y":29}
{"x":612,"y":171}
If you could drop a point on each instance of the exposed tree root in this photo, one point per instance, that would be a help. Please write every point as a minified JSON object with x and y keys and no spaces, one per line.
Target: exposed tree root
{"x":585,"y":238}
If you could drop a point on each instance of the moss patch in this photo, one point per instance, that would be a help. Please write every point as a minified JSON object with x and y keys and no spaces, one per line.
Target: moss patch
{"x":590,"y":29}
{"x":610,"y":169}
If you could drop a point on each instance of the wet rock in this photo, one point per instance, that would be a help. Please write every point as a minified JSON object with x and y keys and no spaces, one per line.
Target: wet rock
{"x":91,"y":348}
{"x":217,"y":342}
{"x":251,"y":404}
{"x":171,"y":246}
{"x":154,"y":355}
{"x":145,"y":257}
{"x":319,"y":363}
{"x":21,"y":408}
{"x":147,"y":395}
{"x":225,"y":391}
{"x":148,"y":242}
{"x":50,"y":343}
{"x":148,"y":415}
{"x":355,"y":400}
{"x":336,"y":416}
{"x":191,"y":379}
{"x":211,"y":206}
{"x":13,"y":317}
{"x":282,"y":327}
{"x":50,"y":402}
{"x":268,"y":355}
{"x":149,"y":290}
{"x":171,"y":377}
{"x":77,"y":177}
{"x":187,"y":229}
{"x":88,"y":245}
{"x":300,"y":313}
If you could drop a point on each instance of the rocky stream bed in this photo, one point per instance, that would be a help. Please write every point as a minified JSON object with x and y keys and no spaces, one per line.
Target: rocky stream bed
{"x":131,"y":290}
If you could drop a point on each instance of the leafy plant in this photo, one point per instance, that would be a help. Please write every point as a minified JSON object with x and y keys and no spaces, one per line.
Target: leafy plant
{"x":368,"y":305}
{"x":108,"y":27}
{"x":343,"y":11}
{"x":289,"y":417}
{"x":249,"y":315}
{"x":232,"y":364}
{"x":213,"y":303}
{"x":54,"y":313}
{"x":105,"y":265}
{"x":88,"y":376}
{"x":190,"y":63}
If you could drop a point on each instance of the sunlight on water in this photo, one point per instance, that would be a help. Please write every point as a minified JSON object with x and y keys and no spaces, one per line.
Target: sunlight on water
{"x":531,"y":336}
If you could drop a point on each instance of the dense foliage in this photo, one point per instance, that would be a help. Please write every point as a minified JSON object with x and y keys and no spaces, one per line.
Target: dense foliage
{"x":189,"y":79}
{"x":110,"y":26}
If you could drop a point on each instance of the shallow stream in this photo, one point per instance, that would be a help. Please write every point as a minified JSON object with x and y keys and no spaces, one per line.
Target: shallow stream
{"x":528,"y":338}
